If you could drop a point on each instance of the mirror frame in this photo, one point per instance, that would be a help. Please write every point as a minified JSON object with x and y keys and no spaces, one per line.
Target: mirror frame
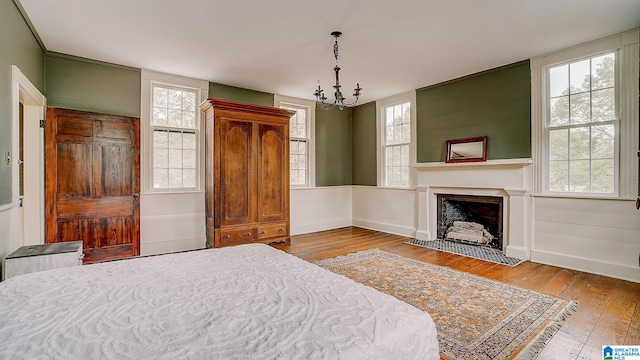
{"x":450,"y":158}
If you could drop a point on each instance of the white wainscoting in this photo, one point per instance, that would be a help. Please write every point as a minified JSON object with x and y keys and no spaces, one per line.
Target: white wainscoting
{"x":171,"y":222}
{"x":384,"y":209}
{"x":592,"y":235}
{"x":320,"y":208}
{"x":5,"y":233}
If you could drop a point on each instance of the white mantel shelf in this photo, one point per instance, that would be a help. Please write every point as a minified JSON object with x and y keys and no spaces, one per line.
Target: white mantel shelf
{"x":486,"y":164}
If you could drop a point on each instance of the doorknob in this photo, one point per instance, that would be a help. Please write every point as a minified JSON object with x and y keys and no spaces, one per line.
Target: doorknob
{"x":136,"y":196}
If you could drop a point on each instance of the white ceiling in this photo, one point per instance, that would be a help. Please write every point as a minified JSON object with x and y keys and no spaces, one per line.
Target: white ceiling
{"x":285,"y":47}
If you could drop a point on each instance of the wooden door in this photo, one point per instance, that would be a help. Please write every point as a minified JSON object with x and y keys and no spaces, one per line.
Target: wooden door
{"x":273,"y":173}
{"x":93,"y":182}
{"x":237,"y":173}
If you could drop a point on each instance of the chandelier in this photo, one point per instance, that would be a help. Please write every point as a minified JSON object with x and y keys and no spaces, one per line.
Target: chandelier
{"x":338,"y":97}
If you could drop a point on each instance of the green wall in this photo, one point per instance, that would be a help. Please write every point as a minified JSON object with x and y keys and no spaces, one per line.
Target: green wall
{"x":18,"y":47}
{"x":232,"y":93}
{"x":495,"y":103}
{"x":364,"y":145}
{"x":333,"y":147}
{"x":90,"y":85}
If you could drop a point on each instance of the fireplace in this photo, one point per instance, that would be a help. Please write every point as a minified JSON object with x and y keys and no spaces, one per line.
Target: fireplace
{"x":470,"y":219}
{"x":503,"y":185}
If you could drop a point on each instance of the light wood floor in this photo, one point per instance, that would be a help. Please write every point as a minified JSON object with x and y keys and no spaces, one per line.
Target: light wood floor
{"x":608,"y":315}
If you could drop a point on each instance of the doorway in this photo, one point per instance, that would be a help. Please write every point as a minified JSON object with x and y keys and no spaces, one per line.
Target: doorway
{"x":28,"y":106}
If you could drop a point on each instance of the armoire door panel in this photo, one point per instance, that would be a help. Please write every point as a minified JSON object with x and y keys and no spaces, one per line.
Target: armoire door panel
{"x":271,"y":173}
{"x":236,"y":170}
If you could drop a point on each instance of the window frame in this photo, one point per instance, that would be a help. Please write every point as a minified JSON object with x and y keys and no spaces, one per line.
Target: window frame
{"x":625,"y":45}
{"x":381,"y":106}
{"x":151,"y":79}
{"x":615,"y":122}
{"x":310,"y":107}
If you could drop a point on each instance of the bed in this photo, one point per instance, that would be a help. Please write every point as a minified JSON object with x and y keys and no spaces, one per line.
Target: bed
{"x":243,"y":302}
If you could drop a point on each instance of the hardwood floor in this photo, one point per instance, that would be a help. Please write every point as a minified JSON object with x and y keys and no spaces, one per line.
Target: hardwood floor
{"x":608,"y":315}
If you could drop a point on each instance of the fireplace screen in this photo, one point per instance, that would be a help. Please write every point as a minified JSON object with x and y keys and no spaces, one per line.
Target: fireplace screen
{"x":470,"y":219}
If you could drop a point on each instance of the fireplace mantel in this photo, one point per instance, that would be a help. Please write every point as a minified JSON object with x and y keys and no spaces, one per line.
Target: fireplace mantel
{"x":484,"y":164}
{"x":509,"y":179}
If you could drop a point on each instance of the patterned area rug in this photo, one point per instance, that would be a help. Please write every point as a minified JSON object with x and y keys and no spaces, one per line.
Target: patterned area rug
{"x":476,"y":318}
{"x":474,"y":251}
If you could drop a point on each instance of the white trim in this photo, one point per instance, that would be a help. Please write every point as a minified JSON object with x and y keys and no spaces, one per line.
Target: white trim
{"x":627,"y":46}
{"x":148,"y":79}
{"x":34,"y":103}
{"x":409,"y":231}
{"x":409,"y":97}
{"x":7,"y":207}
{"x":310,"y":105}
{"x":320,"y":226}
{"x":629,"y":96}
{"x":599,"y":267}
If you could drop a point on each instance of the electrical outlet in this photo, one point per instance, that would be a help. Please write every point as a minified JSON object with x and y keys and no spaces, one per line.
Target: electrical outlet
{"x":7,"y":157}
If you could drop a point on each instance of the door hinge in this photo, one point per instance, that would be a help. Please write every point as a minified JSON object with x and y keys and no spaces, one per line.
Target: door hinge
{"x":42,"y":123}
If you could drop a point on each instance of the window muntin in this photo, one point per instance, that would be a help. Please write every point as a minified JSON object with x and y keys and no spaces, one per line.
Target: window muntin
{"x":396,"y":141}
{"x":175,"y":137}
{"x":298,"y":145}
{"x":581,"y":125}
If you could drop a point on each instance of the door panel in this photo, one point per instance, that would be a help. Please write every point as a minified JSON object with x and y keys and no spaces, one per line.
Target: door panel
{"x":117,"y":171}
{"x":76,"y":159}
{"x":92,"y":182}
{"x":237,"y":195}
{"x":272,"y":173}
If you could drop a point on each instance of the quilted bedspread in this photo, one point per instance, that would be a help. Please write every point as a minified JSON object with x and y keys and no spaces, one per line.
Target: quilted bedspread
{"x":243,"y":302}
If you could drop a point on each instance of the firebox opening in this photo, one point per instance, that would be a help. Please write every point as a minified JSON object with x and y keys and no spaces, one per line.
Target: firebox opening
{"x":471,"y":219}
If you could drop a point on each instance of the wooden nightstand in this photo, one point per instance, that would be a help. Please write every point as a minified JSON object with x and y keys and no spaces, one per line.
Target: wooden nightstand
{"x":33,"y":258}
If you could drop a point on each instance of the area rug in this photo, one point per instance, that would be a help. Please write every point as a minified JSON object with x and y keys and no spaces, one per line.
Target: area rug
{"x":474,"y":251}
{"x":476,"y":318}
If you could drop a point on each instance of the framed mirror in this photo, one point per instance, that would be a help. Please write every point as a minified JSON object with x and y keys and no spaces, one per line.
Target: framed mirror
{"x":467,"y":149}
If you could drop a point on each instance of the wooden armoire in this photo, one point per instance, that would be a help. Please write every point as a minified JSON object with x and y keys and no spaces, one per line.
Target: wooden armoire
{"x":247,"y":173}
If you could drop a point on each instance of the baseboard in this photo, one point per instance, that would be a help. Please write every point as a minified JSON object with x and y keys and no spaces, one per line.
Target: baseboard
{"x":297,"y":229}
{"x":422,"y":235}
{"x":624,"y":272}
{"x":518,"y":252}
{"x":387,"y":228}
{"x":171,"y":246}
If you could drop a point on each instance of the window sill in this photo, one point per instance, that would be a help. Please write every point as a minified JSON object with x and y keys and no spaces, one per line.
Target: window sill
{"x":318,"y":187}
{"x":411,"y":188}
{"x":172,"y":192}
{"x":583,"y":196}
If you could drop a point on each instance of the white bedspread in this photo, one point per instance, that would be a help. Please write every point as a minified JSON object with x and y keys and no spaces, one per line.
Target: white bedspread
{"x":243,"y":302}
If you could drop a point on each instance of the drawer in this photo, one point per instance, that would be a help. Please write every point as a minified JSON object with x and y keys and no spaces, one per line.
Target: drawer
{"x":237,"y":235}
{"x":272,"y":230}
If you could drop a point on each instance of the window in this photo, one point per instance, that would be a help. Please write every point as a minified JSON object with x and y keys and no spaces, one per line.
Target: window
{"x":581,"y":125}
{"x":171,"y":135}
{"x":581,"y":114}
{"x":174,"y":137}
{"x":396,"y":144}
{"x":300,"y":145}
